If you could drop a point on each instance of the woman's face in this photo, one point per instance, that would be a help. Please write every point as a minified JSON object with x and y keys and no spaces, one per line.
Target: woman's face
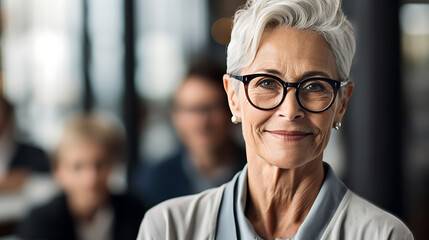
{"x":288,"y":136}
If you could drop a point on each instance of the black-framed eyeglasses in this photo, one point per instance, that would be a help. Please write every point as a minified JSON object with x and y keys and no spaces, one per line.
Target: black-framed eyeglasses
{"x":266,"y":92}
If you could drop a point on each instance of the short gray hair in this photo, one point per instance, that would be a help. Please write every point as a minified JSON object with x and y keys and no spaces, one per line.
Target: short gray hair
{"x":322,"y":16}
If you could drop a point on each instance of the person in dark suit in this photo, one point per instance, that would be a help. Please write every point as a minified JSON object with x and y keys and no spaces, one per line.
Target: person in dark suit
{"x":209,"y":156}
{"x":55,"y":220}
{"x":174,"y":177}
{"x":86,"y":209}
{"x":17,"y":159}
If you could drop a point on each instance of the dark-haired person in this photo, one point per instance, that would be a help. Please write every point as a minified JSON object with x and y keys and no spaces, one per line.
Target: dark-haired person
{"x":209,"y":156}
{"x":86,"y":210}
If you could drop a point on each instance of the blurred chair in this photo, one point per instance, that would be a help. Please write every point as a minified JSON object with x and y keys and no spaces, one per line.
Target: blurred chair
{"x":84,"y":159}
{"x":209,"y":156}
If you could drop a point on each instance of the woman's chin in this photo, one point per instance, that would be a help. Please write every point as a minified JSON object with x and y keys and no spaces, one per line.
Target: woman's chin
{"x":288,"y":159}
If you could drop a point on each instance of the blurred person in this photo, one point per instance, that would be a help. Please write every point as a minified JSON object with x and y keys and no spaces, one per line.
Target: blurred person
{"x":17,"y":159}
{"x":86,"y":210}
{"x":209,"y":156}
{"x":288,"y":85}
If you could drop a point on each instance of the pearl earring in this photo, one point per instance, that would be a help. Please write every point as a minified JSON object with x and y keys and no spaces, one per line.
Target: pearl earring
{"x":337,"y":126}
{"x":234,"y":119}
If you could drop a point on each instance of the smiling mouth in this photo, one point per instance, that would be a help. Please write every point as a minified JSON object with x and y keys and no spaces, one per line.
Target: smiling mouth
{"x":289,"y":135}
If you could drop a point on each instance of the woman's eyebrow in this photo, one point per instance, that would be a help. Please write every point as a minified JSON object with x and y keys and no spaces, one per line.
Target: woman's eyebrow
{"x":308,"y":74}
{"x":314,"y":74}
{"x":271,"y":71}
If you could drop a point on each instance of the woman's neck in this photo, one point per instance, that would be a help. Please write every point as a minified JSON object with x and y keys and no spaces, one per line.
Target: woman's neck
{"x":280,"y":199}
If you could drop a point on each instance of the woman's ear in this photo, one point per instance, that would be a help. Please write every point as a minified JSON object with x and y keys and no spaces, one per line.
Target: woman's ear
{"x":344,"y":100}
{"x":233,"y":100}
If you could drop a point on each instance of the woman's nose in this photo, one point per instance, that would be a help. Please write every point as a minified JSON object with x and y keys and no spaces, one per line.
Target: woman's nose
{"x":290,"y":109}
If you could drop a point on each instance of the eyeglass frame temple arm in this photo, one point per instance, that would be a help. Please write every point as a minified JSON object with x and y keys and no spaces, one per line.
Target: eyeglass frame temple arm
{"x":342,"y":84}
{"x":241,"y":78}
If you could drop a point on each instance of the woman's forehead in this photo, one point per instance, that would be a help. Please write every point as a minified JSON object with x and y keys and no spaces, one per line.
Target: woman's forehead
{"x":293,"y":52}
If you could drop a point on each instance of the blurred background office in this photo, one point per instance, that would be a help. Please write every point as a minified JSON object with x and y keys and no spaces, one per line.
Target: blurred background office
{"x":128,"y":57}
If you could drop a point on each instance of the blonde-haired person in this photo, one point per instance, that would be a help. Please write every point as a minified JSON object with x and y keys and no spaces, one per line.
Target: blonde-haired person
{"x":86,"y":210}
{"x":288,"y":66}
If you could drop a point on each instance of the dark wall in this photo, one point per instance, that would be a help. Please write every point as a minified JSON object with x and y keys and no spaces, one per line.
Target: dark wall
{"x":373,"y":124}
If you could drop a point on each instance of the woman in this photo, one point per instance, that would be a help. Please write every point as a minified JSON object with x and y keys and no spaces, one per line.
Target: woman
{"x":293,"y":59}
{"x":86,"y":155}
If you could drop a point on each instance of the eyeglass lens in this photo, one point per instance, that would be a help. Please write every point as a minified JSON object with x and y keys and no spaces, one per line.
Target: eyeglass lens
{"x":266,"y":93}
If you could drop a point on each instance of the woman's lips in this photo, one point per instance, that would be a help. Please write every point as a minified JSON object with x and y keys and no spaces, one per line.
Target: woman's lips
{"x":288,"y":135}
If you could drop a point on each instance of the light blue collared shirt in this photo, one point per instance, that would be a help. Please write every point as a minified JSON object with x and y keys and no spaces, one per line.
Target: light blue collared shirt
{"x":233,"y":224}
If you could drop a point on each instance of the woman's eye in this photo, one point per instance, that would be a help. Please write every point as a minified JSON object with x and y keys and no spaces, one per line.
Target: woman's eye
{"x":268,"y":83}
{"x":314,"y":86}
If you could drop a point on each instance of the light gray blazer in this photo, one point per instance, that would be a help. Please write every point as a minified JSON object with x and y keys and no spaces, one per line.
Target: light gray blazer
{"x":196,"y":217}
